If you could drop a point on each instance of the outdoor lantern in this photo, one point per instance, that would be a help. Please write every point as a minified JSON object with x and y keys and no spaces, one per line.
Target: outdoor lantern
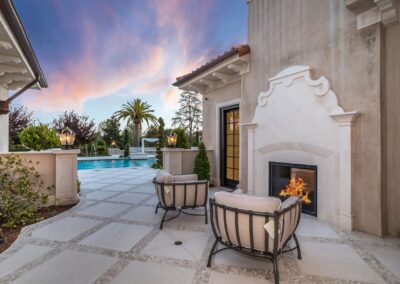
{"x":171,"y":139}
{"x":67,"y":138}
{"x":113,"y":143}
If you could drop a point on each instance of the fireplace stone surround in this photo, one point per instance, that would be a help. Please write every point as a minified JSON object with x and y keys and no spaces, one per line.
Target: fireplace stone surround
{"x":299,"y":121}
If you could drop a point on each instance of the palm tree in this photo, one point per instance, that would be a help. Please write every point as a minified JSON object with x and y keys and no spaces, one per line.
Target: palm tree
{"x":136,"y":112}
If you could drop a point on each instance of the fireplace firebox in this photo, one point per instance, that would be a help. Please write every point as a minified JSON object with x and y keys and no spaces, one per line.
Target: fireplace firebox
{"x":280,"y":175}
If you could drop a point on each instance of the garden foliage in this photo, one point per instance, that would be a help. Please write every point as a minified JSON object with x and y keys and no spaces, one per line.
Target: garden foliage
{"x":202,"y":164}
{"x":22,"y":192}
{"x":39,"y":137}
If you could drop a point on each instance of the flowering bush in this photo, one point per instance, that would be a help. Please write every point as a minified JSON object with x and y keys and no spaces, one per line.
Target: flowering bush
{"x":22,"y":192}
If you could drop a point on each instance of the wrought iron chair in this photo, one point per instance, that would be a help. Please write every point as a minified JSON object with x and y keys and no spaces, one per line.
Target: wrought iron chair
{"x":238,"y":225}
{"x":180,"y":192}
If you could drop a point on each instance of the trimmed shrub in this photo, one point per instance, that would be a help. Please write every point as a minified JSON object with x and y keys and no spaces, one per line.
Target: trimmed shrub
{"x":201,"y":164}
{"x":39,"y":137}
{"x":182,"y":140}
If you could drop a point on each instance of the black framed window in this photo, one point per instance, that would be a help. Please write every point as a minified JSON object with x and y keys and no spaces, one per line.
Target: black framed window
{"x":230,"y":143}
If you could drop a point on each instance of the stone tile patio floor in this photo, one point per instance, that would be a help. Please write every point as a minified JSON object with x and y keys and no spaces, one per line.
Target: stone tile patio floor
{"x":112,"y":236}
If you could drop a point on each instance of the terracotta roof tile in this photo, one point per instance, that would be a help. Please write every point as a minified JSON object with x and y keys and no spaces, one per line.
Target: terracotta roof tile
{"x":238,"y":49}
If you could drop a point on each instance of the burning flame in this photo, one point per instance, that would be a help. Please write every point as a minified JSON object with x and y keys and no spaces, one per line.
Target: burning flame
{"x":296,"y":187}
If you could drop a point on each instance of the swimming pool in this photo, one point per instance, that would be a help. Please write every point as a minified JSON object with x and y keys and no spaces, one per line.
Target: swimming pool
{"x":114,"y":163}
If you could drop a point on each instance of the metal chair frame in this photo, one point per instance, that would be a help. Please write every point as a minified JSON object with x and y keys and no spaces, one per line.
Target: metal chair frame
{"x":180,"y":209}
{"x":252,"y":251}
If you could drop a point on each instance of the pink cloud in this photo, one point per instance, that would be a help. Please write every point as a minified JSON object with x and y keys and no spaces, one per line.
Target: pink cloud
{"x":123,"y":60}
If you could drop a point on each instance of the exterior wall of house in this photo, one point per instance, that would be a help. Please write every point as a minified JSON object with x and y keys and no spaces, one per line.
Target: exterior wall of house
{"x":391,"y":132}
{"x":212,"y":101}
{"x":323,"y":35}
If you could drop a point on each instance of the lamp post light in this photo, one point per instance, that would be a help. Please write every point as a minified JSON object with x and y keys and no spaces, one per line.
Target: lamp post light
{"x":171,"y":139}
{"x":67,"y":138}
{"x":113,"y":143}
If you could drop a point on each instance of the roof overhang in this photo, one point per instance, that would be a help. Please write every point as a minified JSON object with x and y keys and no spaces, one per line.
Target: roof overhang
{"x":224,"y":70}
{"x":18,"y":63}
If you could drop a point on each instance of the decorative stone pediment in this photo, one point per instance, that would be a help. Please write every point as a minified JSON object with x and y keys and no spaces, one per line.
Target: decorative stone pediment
{"x":319,"y":87}
{"x":298,"y":120}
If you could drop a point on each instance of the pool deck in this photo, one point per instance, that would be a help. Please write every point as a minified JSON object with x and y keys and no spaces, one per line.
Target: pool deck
{"x":112,"y":236}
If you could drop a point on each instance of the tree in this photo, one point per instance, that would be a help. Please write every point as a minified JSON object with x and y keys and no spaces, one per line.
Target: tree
{"x":202,"y":164}
{"x":136,"y":112}
{"x":111,"y":130}
{"x":152,"y":132}
{"x":160,"y":144}
{"x":39,"y":137}
{"x":196,"y":140}
{"x":83,"y":127}
{"x":19,"y":118}
{"x":181,"y":138}
{"x":127,"y":138}
{"x":189,"y":115}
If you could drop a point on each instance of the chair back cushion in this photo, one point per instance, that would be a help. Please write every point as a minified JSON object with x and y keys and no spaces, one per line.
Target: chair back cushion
{"x":182,"y":194}
{"x":235,"y":227}
{"x":164,"y":177}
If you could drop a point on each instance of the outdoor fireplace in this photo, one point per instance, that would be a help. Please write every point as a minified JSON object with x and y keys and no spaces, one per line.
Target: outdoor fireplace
{"x":280,"y":175}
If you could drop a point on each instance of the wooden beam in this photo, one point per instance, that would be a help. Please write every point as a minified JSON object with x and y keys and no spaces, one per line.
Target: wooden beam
{"x":208,"y":83}
{"x":5,"y":45}
{"x":9,"y":78}
{"x":9,"y":59}
{"x":223,"y":77}
{"x":7,"y":69}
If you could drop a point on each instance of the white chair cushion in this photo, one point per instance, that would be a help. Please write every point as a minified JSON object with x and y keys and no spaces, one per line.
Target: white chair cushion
{"x":245,"y":202}
{"x":248,"y":202}
{"x":164,"y":177}
{"x":185,"y":178}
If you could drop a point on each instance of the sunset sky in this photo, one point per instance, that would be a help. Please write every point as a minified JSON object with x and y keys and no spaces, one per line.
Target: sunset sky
{"x":97,"y":54}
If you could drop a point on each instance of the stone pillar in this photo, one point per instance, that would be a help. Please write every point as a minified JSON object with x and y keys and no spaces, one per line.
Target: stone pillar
{"x":4,"y":123}
{"x":172,"y":160}
{"x":346,"y":216}
{"x":250,"y":156}
{"x":66,"y":176}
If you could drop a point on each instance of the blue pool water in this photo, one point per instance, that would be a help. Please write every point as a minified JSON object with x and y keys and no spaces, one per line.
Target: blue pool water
{"x":115,"y":163}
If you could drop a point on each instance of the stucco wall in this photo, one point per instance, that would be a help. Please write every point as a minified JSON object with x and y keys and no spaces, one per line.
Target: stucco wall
{"x":323,"y":35}
{"x":392,"y":129}
{"x":222,"y":97}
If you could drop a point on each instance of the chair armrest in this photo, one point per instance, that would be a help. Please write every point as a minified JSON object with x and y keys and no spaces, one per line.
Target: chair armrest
{"x":185,"y":178}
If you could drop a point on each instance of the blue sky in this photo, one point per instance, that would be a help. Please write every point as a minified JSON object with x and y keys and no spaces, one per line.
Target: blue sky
{"x":98,"y":54}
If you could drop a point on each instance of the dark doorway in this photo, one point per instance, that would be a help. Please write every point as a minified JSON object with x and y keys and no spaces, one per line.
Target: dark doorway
{"x":280,"y":175}
{"x":230,"y":146}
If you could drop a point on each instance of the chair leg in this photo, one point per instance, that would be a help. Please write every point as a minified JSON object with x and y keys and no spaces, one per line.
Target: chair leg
{"x":212,"y":253}
{"x":276,"y":271}
{"x":206,"y":214}
{"x":297,"y":246}
{"x":163,"y":218}
{"x":158,"y":206}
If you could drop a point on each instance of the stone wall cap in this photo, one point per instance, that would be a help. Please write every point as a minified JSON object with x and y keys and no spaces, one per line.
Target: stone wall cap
{"x":48,"y":152}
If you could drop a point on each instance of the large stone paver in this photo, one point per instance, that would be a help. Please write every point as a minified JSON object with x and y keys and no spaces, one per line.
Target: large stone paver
{"x":25,"y":255}
{"x":117,"y":236}
{"x":68,"y":267}
{"x":65,"y":229}
{"x":149,"y":273}
{"x":114,"y":238}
